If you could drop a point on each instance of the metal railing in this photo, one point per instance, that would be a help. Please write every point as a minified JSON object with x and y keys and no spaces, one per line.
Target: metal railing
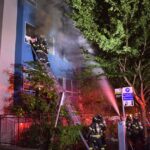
{"x":11,"y":128}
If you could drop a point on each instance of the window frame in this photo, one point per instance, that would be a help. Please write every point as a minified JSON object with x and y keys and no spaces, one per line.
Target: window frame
{"x":32,"y":2}
{"x":25,"y":33}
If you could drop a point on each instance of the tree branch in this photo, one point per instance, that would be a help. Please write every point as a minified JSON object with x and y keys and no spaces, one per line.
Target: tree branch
{"x":146,"y":87}
{"x":134,"y":92}
{"x":147,"y":92}
{"x":122,"y":66}
{"x":141,"y":80}
{"x":145,"y":44}
{"x":122,"y":69}
{"x":134,"y":79}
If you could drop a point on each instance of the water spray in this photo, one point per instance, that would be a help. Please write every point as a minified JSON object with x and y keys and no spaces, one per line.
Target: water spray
{"x":69,"y":40}
{"x":98,"y":71}
{"x":108,"y":92}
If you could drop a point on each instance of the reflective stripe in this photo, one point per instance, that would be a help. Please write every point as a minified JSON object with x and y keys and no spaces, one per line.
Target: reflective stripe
{"x":96,"y":136}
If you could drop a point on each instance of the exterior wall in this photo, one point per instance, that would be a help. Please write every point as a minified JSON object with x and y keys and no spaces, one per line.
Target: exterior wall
{"x":7,"y":48}
{"x":23,"y":50}
{"x":60,"y":67}
{"x":1,"y":18}
{"x":26,"y":14}
{"x":14,"y":14}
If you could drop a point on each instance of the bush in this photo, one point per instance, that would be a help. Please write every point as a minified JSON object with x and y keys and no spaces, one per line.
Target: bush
{"x":36,"y":136}
{"x":69,"y":135}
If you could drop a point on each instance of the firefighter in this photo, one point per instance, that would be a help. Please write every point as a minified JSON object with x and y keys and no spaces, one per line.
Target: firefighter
{"x":44,"y":45}
{"x":96,"y":135}
{"x":136,"y":133}
{"x":129,"y":122}
{"x":137,"y":128}
{"x":102,"y":124}
{"x":40,"y":48}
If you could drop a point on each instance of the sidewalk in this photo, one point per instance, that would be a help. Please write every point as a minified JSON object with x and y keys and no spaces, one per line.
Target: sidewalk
{"x":13,"y":147}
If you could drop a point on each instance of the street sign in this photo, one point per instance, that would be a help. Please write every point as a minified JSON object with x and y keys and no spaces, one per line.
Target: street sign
{"x":128,"y":103}
{"x":127,"y":96}
{"x":118,"y":91}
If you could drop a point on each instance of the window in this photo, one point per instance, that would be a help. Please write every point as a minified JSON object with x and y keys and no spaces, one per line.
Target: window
{"x":68,"y":85}
{"x":75,"y":86}
{"x":30,"y":32}
{"x":51,"y":45}
{"x":60,"y":81}
{"x":33,"y":2}
{"x":65,"y":83}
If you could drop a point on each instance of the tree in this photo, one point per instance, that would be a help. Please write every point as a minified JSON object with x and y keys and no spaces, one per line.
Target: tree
{"x":120,"y":32}
{"x":39,"y":100}
{"x":41,"y":96}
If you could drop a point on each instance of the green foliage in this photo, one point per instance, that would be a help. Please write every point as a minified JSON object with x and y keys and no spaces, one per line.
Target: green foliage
{"x":110,"y":23}
{"x":36,"y":136}
{"x":30,"y":137}
{"x":37,"y":75}
{"x":120,"y":29}
{"x":69,"y":135}
{"x":41,"y":106}
{"x":18,"y":111}
{"x":44,"y":96}
{"x":63,"y":112}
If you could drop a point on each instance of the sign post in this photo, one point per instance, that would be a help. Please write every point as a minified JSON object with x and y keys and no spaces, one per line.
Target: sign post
{"x":127,"y":100}
{"x":122,"y":135}
{"x":127,"y":96}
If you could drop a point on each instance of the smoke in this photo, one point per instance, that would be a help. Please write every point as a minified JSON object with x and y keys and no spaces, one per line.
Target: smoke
{"x":49,"y":15}
{"x":52,"y":21}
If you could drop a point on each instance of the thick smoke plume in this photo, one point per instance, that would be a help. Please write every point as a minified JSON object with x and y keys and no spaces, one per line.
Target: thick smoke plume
{"x":49,"y":15}
{"x":52,"y":22}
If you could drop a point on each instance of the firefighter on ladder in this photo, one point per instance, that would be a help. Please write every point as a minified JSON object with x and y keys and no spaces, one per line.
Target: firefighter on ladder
{"x":96,"y":135}
{"x":40,"y":47}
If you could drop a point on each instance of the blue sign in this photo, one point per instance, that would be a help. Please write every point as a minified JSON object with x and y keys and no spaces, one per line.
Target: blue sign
{"x":127,"y":89}
{"x":127,"y":96}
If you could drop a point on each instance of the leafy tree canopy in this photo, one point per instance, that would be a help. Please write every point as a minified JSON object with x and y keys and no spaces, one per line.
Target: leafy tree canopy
{"x":39,"y":95}
{"x":119,"y":31}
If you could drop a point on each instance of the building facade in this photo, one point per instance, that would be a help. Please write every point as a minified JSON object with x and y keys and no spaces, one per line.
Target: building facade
{"x":17,"y":23}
